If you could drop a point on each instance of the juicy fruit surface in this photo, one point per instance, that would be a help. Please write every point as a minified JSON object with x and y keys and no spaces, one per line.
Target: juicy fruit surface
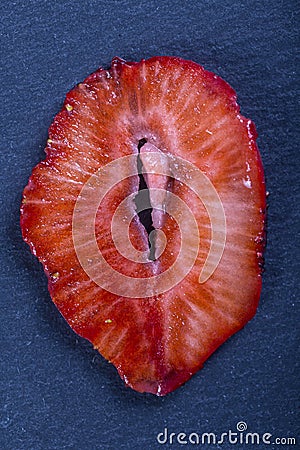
{"x":157,"y":342}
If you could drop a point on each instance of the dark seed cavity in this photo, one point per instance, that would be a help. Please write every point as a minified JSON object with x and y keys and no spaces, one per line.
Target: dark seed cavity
{"x":145,"y":215}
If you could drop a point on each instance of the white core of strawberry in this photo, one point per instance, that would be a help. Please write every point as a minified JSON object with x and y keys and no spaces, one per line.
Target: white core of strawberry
{"x":155,"y":162}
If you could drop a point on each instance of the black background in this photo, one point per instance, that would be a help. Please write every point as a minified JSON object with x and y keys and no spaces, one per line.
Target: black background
{"x":56,"y":391}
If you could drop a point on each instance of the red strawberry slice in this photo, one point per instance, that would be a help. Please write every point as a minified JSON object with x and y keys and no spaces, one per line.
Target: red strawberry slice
{"x":152,"y":319}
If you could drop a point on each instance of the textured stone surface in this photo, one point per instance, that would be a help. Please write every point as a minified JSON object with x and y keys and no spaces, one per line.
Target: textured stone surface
{"x":56,"y":391}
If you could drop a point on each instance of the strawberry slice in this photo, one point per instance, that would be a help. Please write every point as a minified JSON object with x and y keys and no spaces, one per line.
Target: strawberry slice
{"x":157,"y":316}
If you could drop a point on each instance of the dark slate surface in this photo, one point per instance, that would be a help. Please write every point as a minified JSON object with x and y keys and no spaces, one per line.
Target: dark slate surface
{"x":56,"y":391}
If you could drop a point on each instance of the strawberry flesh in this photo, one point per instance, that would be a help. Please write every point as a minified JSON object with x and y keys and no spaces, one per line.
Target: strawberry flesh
{"x":176,"y":108}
